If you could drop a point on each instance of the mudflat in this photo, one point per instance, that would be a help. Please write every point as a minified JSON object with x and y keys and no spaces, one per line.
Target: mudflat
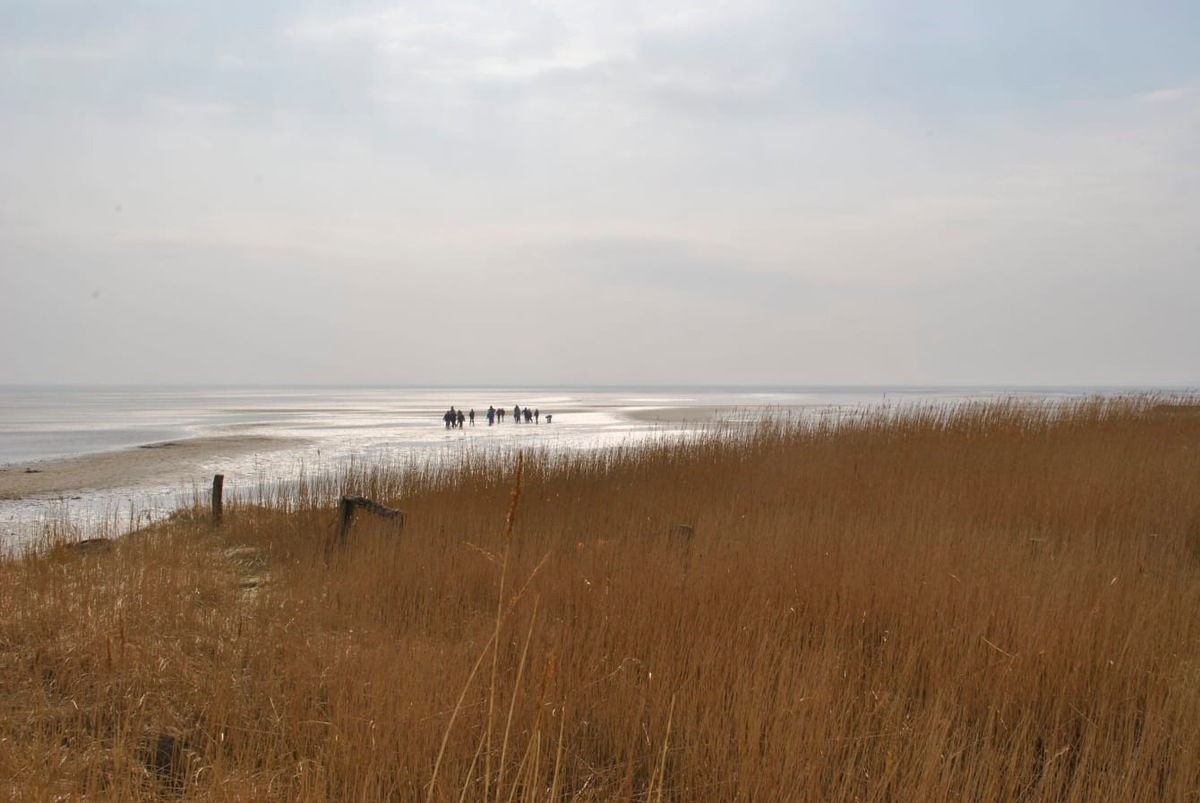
{"x":683,"y":415}
{"x":168,"y":462}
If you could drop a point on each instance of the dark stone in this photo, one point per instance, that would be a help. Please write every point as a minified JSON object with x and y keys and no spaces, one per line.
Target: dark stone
{"x":684,"y":532}
{"x":168,"y":756}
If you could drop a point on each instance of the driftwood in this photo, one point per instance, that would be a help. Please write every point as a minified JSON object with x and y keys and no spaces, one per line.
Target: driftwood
{"x":349,"y":503}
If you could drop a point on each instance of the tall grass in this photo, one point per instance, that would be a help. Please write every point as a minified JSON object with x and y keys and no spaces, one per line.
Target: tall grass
{"x":976,"y":603}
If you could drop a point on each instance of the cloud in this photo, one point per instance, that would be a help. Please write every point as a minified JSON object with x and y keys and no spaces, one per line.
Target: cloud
{"x":68,"y":53}
{"x":458,"y":41}
{"x":867,"y":178}
{"x":680,"y":269}
{"x":691,"y":56}
{"x":1169,"y":95}
{"x":187,"y":107}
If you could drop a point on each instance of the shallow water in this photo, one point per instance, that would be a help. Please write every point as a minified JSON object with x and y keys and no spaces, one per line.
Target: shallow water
{"x":326,"y":428}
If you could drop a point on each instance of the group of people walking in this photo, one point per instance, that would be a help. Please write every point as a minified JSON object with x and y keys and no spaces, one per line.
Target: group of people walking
{"x":455,"y":419}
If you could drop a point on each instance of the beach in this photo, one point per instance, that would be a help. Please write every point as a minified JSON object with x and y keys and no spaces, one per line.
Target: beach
{"x":173,"y":463}
{"x":104,"y":460}
{"x":107,"y":459}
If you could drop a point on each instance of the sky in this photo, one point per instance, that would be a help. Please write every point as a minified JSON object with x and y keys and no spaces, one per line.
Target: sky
{"x":575,"y":192}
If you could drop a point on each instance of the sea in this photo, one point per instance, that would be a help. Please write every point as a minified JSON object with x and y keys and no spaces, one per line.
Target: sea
{"x":323,"y":429}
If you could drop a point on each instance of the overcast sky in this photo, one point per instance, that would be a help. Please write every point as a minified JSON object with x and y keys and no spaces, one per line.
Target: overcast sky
{"x":799,"y":192}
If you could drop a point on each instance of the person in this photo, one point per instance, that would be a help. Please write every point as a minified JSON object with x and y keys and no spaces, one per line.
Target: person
{"x":548,"y":417}
{"x":471,"y":415}
{"x":462,"y":419}
{"x":528,"y":415}
{"x":491,"y":415}
{"x":517,"y":413}
{"x":453,"y":417}
{"x":499,"y":415}
{"x":536,"y":413}
{"x":446,"y":418}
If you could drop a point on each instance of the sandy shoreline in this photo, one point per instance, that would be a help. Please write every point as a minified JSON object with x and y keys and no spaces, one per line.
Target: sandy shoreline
{"x":167,"y":462}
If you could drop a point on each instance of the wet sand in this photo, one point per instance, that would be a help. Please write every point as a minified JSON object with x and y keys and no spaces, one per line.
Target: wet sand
{"x":680,"y":415}
{"x":168,"y":462}
{"x":695,"y":415}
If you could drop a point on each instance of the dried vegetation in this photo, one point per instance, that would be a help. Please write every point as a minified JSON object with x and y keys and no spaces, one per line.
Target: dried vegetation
{"x":982,"y":603}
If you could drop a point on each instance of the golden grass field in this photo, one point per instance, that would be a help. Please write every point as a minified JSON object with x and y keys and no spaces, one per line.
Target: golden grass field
{"x":987,"y":603}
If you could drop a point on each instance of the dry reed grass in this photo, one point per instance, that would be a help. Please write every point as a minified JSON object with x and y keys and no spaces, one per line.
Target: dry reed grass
{"x":984,"y":603}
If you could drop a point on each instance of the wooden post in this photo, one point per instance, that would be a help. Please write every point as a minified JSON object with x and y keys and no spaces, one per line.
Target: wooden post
{"x":347,"y":517}
{"x":349,"y":503}
{"x":682,"y":535}
{"x":218,"y":488}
